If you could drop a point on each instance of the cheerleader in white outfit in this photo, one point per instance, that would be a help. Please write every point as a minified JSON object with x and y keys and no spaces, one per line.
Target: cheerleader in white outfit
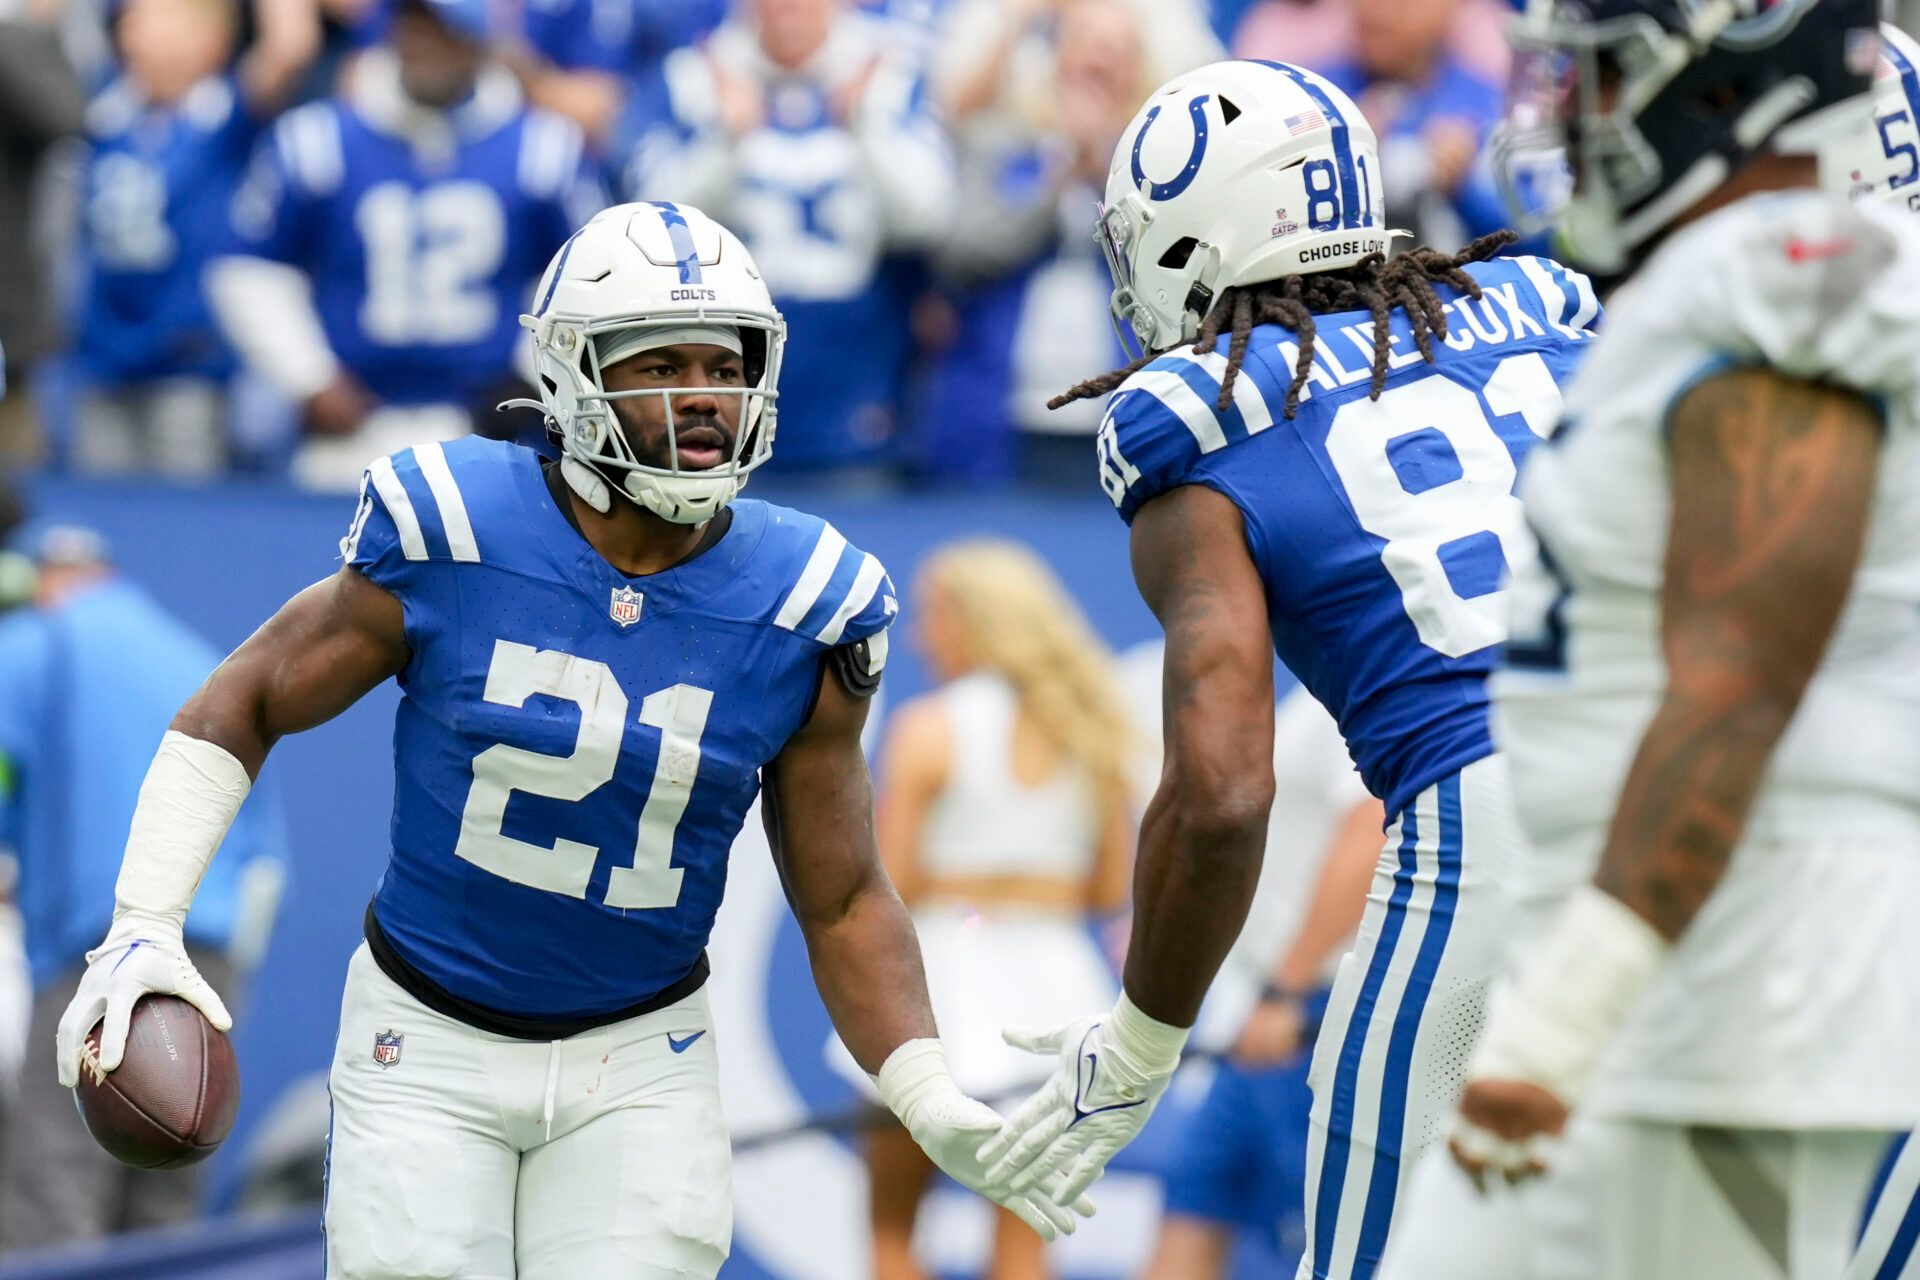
{"x":1005,"y":821}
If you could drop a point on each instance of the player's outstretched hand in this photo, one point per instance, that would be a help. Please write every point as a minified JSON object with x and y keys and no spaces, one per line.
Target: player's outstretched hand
{"x":140,"y":955}
{"x":1109,"y":1073}
{"x":950,"y":1126}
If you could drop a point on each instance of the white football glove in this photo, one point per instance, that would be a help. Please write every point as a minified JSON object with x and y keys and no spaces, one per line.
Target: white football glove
{"x":1112,"y":1069}
{"x":950,"y":1126}
{"x":140,"y":955}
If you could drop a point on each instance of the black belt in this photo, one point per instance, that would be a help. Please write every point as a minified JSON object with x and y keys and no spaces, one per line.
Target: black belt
{"x":440,"y":1000}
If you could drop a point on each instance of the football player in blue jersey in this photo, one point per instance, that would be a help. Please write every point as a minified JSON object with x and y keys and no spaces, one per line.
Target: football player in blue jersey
{"x":1336,"y":487}
{"x":393,"y":233}
{"x":601,"y":660}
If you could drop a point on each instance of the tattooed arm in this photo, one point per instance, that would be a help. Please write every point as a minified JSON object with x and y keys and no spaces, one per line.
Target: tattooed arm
{"x":1203,"y":835}
{"x":1772,"y":484}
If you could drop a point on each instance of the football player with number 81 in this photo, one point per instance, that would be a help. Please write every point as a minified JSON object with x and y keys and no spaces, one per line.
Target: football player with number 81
{"x":600,"y":660}
{"x":1335,"y":486}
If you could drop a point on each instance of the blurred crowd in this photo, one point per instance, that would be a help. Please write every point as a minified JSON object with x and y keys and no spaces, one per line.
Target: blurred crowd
{"x":287,"y":235}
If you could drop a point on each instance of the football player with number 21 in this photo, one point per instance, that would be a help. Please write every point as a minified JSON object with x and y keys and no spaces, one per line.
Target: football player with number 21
{"x":601,"y":660}
{"x":1336,"y":487}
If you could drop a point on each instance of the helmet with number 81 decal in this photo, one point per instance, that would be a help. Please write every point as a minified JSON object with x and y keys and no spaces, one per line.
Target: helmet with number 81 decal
{"x":1881,"y":161}
{"x":652,"y":274}
{"x":1233,"y":174}
{"x":1655,"y":104}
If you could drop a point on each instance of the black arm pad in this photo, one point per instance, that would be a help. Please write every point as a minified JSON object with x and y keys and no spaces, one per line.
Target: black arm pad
{"x":853,"y":664}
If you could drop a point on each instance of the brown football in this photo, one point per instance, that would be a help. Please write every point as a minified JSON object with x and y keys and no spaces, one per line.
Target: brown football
{"x":171,"y":1100}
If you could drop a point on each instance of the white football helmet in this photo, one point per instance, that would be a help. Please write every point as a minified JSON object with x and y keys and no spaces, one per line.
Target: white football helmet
{"x":671,"y":273}
{"x":1881,"y":161}
{"x":1232,"y":174}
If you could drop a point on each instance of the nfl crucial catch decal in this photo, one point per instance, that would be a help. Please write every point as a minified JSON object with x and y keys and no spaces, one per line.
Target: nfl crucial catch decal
{"x":625,"y":608}
{"x":386,"y":1047}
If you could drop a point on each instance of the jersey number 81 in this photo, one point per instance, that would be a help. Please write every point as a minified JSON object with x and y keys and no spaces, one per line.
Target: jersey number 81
{"x":1442,"y":540}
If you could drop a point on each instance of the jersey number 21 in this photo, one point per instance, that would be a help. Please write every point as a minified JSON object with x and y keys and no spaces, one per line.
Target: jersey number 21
{"x":519,"y":672}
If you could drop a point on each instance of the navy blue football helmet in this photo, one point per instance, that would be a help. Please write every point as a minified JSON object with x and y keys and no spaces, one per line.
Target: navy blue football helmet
{"x":1653,"y":104}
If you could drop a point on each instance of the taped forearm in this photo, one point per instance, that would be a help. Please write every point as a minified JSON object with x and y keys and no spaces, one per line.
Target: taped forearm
{"x":1570,"y":996}
{"x":288,"y":347}
{"x":192,"y":791}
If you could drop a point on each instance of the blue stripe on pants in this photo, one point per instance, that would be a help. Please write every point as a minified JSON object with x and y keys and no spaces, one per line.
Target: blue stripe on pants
{"x":1339,"y":1140}
{"x":1901,"y":1249}
{"x":1385,"y":1185}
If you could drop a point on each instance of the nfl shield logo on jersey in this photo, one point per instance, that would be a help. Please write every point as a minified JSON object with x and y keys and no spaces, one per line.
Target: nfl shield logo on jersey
{"x":625,"y":608}
{"x":386,"y":1047}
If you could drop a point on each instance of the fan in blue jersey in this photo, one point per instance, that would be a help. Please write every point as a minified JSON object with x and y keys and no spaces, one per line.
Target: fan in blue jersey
{"x":393,"y":234}
{"x":601,"y":660}
{"x":806,"y":126}
{"x":1336,"y":487}
{"x":167,"y":140}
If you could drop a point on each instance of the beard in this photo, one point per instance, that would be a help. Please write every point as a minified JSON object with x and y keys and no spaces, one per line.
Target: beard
{"x":705,"y":441}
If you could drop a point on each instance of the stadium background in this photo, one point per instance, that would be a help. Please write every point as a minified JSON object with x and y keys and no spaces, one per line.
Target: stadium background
{"x":960,"y":454}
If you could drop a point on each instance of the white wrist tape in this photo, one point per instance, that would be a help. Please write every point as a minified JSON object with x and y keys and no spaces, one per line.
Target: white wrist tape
{"x":1551,"y":1027}
{"x":192,"y":791}
{"x":1150,"y":1046}
{"x":911,"y":1074}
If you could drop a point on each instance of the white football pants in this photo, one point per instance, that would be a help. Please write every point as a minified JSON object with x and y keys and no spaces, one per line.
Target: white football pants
{"x":1634,"y":1199}
{"x":472,"y":1156}
{"x":1407,"y":1006}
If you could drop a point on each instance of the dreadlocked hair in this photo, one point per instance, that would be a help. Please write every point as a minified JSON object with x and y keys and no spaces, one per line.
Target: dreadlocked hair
{"x":1375,"y":284}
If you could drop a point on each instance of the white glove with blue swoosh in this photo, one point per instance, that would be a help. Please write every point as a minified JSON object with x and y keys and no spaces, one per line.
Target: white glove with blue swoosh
{"x":950,"y":1126}
{"x":140,"y":956}
{"x":1111,"y":1070}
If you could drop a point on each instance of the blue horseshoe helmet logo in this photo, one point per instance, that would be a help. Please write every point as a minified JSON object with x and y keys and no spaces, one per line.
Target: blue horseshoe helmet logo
{"x":1182,"y":180}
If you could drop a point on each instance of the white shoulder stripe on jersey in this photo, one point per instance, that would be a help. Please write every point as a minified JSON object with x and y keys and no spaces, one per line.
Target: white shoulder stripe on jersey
{"x":446,"y":496}
{"x":547,"y":152}
{"x":1589,"y":300}
{"x":1247,"y":396}
{"x":813,"y":578}
{"x":313,"y":135}
{"x":1171,"y":390}
{"x":865,"y":583}
{"x":877,"y":652}
{"x":393,"y":496}
{"x":1554,"y":297}
{"x":532,"y":145}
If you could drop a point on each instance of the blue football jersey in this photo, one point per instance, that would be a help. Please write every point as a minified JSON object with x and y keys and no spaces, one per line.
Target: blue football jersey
{"x":575,"y":750}
{"x":153,"y":211}
{"x":421,"y":260}
{"x":1379,"y":527}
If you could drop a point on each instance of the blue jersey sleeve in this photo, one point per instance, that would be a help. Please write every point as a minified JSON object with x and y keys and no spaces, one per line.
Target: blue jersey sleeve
{"x":412,"y":514}
{"x":839,"y":595}
{"x":1150,"y":438}
{"x":373,"y":544}
{"x":278,"y":210}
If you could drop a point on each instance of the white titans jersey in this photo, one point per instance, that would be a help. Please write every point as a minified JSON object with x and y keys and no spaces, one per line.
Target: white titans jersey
{"x":1794,"y":998}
